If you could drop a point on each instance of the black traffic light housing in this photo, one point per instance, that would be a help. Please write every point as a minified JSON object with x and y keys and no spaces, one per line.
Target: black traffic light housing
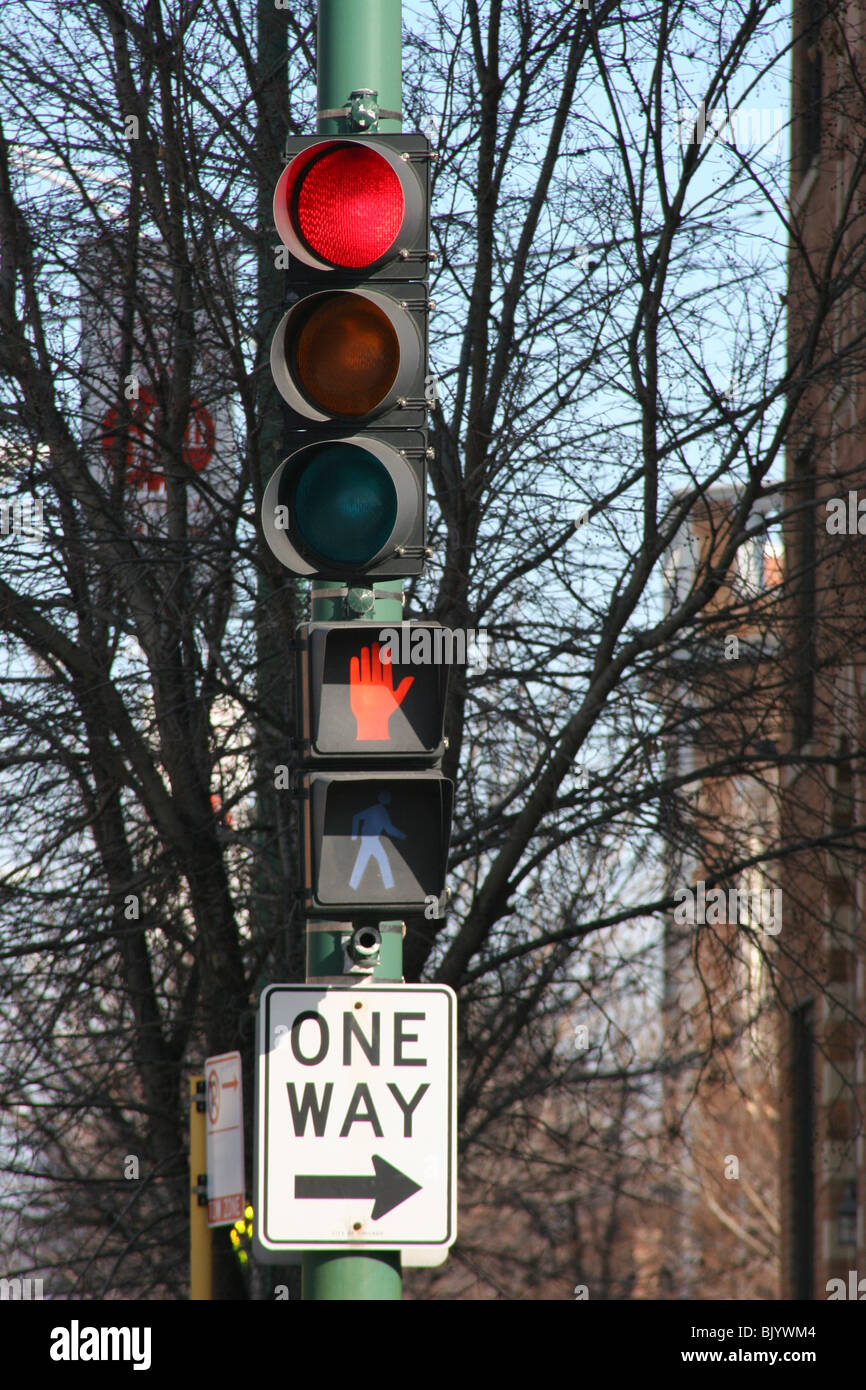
{"x":374,"y":843}
{"x":348,"y":502}
{"x":362,"y":699}
{"x":349,"y":358}
{"x":372,"y":698}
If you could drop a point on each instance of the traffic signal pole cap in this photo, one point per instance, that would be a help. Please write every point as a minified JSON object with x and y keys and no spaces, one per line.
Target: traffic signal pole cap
{"x":348,"y":354}
{"x":340,"y":507}
{"x":348,"y":204}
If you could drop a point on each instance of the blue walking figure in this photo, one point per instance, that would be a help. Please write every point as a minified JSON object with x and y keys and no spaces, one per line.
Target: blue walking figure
{"x":374,"y":822}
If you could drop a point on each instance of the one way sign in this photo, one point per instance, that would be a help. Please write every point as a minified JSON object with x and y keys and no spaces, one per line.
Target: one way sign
{"x":356,"y":1121}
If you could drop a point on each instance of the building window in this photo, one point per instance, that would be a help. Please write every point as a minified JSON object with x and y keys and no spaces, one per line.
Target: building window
{"x":758,"y":564}
{"x":846,"y":1215}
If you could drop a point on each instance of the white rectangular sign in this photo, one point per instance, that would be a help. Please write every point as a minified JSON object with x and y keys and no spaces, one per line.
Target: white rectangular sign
{"x":224,"y":1137}
{"x":356,"y":1120}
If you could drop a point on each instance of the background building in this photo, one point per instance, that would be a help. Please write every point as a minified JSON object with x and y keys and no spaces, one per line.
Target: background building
{"x":719,"y":1196}
{"x":823,"y":1172}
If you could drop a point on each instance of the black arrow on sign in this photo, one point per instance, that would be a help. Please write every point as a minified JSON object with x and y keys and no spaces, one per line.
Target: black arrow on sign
{"x":388,"y":1186}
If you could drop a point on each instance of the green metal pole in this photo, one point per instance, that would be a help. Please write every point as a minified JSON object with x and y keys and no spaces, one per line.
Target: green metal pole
{"x":360,"y":44}
{"x":359,"y":47}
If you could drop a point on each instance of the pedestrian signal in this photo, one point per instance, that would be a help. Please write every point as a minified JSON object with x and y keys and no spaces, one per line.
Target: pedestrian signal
{"x":374,"y":842}
{"x":364,"y":700}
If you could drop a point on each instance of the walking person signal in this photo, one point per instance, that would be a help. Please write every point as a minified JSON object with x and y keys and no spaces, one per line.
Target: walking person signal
{"x":373,"y":823}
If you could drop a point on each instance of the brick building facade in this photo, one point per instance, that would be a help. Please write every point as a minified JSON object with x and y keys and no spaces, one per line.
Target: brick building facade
{"x":719,"y":1203}
{"x":823,"y":1170}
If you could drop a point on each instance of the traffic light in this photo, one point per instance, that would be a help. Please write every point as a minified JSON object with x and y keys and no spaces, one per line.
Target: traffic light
{"x":353,"y":355}
{"x":374,"y":839}
{"x":350,"y":358}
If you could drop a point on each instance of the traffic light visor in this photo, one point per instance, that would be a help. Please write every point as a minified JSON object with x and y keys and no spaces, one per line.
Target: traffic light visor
{"x":350,"y":354}
{"x":348,"y":506}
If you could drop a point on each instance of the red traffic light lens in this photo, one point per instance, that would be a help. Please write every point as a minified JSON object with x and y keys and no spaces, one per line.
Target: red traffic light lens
{"x":345,"y":355}
{"x":349,"y":206}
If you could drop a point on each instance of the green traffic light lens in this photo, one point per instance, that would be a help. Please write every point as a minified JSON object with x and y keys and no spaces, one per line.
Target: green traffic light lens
{"x":345,"y":504}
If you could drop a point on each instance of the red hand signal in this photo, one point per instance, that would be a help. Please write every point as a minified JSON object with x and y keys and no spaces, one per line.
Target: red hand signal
{"x":372,"y":694}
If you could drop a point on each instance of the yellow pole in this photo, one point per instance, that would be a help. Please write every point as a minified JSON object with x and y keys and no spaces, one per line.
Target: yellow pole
{"x":200,"y":1257}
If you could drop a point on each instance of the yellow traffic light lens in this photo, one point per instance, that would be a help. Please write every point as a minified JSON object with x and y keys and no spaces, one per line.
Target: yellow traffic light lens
{"x":344,"y":355}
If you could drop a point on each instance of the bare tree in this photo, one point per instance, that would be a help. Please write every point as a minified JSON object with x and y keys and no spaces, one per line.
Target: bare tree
{"x":610,"y":346}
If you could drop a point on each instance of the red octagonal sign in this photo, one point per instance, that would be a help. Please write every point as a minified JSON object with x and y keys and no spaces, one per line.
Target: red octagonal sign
{"x":198,"y":440}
